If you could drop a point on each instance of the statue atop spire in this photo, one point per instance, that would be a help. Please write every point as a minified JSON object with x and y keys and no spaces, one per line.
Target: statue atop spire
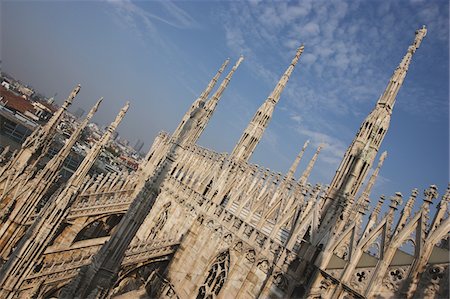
{"x":50,"y":126}
{"x":305,"y":175}
{"x":36,"y":145}
{"x":361,"y":153}
{"x":209,"y":107}
{"x":276,"y":93}
{"x":253,"y":133}
{"x":56,"y":162}
{"x":28,"y":202}
{"x":297,"y":160}
{"x":77,"y":178}
{"x":51,"y":216}
{"x":213,"y":81}
{"x":387,"y":99}
{"x":212,"y":103}
{"x":198,"y":103}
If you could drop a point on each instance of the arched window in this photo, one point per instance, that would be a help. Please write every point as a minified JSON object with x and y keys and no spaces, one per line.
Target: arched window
{"x":217,"y":275}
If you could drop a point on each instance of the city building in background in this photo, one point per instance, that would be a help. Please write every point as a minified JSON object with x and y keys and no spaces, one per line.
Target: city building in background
{"x":79,"y":113}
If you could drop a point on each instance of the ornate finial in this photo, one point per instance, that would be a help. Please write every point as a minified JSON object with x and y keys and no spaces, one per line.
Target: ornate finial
{"x":420,"y":34}
{"x":380,"y":203}
{"x":94,"y":108}
{"x":298,"y":54}
{"x":275,"y":95}
{"x":396,"y":200}
{"x":57,"y":160}
{"x":383,"y":157}
{"x":72,"y":95}
{"x":387,"y":99}
{"x":374,"y":216}
{"x":210,"y":106}
{"x":406,"y":212}
{"x":98,"y":103}
{"x":430,"y":194}
{"x":442,"y":209}
{"x":241,"y":58}
{"x":410,"y":203}
{"x":119,"y":117}
{"x":446,"y":197}
{"x":413,"y":196}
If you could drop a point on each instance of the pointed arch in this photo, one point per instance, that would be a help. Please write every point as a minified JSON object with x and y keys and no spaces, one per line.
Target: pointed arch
{"x":216,"y":277}
{"x":100,"y":227}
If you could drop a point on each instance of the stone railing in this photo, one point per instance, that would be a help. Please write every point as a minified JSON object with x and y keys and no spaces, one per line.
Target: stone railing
{"x":151,"y":249}
{"x":65,"y":264}
{"x":101,"y":203}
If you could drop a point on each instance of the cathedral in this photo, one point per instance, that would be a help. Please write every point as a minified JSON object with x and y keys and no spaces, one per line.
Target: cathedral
{"x":194,"y":223}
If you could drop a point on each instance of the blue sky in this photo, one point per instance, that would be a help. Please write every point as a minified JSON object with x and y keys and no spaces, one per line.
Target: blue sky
{"x":161,"y":55}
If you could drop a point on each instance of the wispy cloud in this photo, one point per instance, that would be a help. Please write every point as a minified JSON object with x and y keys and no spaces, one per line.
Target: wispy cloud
{"x":283,"y":27}
{"x":174,"y":16}
{"x":180,"y":18}
{"x":337,"y":50}
{"x":144,"y":23}
{"x":341,"y":71}
{"x":333,"y":149}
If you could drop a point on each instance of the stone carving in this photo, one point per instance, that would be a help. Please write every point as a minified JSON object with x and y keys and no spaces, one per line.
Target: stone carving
{"x":394,"y":277}
{"x":280,"y":281}
{"x":342,"y":252}
{"x":360,"y":279}
{"x":250,"y":256}
{"x":228,"y":238}
{"x":238,"y":246}
{"x":228,"y":217}
{"x":237,"y":223}
{"x":210,"y":224}
{"x":218,"y":231}
{"x":260,"y":240}
{"x":248,"y":230}
{"x":431,"y":286}
{"x":263,"y":266}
